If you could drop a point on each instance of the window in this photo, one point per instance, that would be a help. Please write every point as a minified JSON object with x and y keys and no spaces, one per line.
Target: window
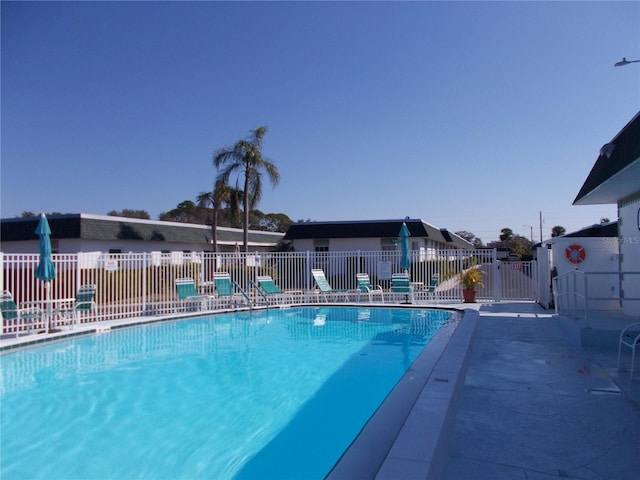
{"x":388,"y":244}
{"x":321,"y":245}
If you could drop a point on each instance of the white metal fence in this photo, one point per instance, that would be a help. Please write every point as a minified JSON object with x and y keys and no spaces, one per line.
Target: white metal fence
{"x":135,"y":284}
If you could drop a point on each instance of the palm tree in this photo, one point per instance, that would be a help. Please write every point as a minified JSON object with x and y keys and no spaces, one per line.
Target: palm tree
{"x":245,"y":157}
{"x":506,"y":234}
{"x":222,"y":194}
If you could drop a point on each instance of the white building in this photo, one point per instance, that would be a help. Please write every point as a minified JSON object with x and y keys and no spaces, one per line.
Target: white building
{"x":592,"y":249}
{"x":102,"y":233}
{"x":371,"y":235}
{"x":615,"y":179}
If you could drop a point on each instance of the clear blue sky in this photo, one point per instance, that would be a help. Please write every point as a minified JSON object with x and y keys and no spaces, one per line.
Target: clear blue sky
{"x":470,"y":115}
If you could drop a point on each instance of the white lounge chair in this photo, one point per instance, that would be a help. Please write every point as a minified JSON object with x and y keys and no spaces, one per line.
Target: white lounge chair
{"x":629,"y":337}
{"x":365,"y":286}
{"x":325,"y":287}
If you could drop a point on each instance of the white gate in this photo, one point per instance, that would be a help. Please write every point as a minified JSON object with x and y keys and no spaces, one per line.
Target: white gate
{"x":517,"y":280}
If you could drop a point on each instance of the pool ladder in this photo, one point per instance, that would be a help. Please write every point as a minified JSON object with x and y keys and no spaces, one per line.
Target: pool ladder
{"x":258,"y":291}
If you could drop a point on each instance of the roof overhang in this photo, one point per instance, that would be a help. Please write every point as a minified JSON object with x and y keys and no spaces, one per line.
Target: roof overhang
{"x":616,"y":173}
{"x":619,"y":186}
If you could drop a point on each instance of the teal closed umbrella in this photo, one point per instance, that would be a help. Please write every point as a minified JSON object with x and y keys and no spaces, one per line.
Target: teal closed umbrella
{"x":405,"y":259}
{"x":45,"y":271}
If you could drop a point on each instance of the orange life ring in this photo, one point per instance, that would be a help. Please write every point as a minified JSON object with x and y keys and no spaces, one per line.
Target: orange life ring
{"x":575,"y":253}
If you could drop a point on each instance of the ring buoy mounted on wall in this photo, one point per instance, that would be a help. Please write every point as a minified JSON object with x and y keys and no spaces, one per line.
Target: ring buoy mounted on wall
{"x":575,"y":253}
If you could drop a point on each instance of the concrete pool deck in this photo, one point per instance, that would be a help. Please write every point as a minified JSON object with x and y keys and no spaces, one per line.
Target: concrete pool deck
{"x":512,"y":395}
{"x":518,"y":397}
{"x":536,"y":404}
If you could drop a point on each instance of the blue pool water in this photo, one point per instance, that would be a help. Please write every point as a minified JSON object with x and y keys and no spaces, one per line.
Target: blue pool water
{"x":265,"y":395}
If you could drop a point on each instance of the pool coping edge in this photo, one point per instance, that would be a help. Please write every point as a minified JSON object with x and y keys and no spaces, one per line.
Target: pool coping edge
{"x":408,"y":437}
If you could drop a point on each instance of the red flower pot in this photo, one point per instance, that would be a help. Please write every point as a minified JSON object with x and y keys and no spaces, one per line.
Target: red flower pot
{"x":469,"y":296}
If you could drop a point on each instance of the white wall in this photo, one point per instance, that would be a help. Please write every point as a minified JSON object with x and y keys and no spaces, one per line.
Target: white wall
{"x":629,"y":231}
{"x":354,"y":244}
{"x":350,"y":244}
{"x":341,"y":245}
{"x":19,"y":247}
{"x":74,"y":245}
{"x":543,"y":258}
{"x":303,"y":245}
{"x":601,"y":255}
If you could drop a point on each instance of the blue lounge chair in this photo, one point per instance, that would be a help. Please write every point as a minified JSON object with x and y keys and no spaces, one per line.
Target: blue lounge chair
{"x":270,"y":291}
{"x":401,"y":285}
{"x":14,"y":319}
{"x":84,"y":303}
{"x":229,"y":290}
{"x":325,"y":288}
{"x":365,"y":286}
{"x":188,"y":295}
{"x":431,"y":290}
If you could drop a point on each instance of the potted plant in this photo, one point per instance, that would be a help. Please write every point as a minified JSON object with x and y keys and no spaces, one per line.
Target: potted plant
{"x":470,"y":279}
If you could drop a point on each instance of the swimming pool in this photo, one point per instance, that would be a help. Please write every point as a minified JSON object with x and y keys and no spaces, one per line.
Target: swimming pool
{"x":269,"y":394}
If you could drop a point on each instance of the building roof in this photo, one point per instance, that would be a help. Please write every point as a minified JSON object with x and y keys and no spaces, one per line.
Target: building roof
{"x":106,"y":228}
{"x":616,"y":173}
{"x":373,"y":229}
{"x":598,"y":230}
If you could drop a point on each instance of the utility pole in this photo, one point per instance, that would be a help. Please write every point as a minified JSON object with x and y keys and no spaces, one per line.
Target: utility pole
{"x":540,"y":225}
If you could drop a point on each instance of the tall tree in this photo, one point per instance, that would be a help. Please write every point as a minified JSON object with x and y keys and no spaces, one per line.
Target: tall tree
{"x":222,"y":194}
{"x":470,"y":237}
{"x":506,"y":234}
{"x":558,"y":231}
{"x":204,"y":200}
{"x":130,"y":213}
{"x":245,"y":158}
{"x":185,"y":212}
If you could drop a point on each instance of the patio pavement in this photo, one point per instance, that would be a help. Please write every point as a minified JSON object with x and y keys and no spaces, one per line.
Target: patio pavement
{"x":537,"y":405}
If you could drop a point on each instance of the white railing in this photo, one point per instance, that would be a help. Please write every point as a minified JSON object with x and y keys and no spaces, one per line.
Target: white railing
{"x":568,"y":297}
{"x":137,"y":284}
{"x":576,"y":293}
